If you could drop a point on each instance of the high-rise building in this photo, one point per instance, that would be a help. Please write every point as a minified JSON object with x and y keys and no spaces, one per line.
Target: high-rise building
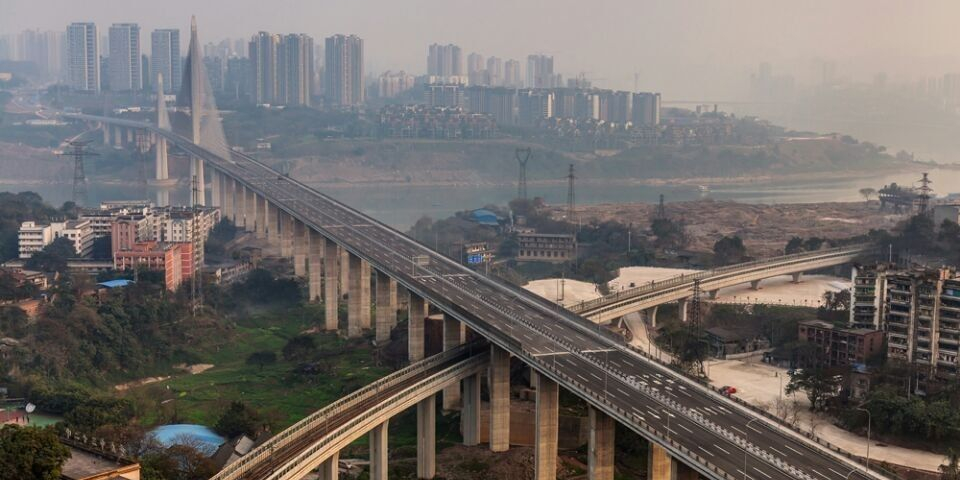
{"x":165,"y":58}
{"x":295,"y":70}
{"x":32,"y":47}
{"x":511,"y":74}
{"x":263,"y":67}
{"x":498,"y":102}
{"x":534,"y":106}
{"x":494,"y":72}
{"x":445,"y":61}
{"x":6,"y":47}
{"x":343,"y":70}
{"x":646,"y":109}
{"x":237,"y":82}
{"x":540,"y":72}
{"x":124,"y":64}
{"x":391,"y":84}
{"x":83,"y":57}
{"x":476,"y":69}
{"x":216,"y":72}
{"x":443,"y":95}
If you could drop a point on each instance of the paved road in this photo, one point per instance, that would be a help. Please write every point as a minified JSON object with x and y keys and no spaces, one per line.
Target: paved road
{"x":594,"y":364}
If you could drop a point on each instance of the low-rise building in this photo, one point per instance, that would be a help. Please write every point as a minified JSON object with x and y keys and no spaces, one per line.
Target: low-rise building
{"x":546,"y":247}
{"x":33,"y":237}
{"x":175,"y":260}
{"x":837,"y":347}
{"x":731,"y":341}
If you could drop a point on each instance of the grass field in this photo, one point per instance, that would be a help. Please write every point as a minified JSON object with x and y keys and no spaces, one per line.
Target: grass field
{"x":275,"y":390}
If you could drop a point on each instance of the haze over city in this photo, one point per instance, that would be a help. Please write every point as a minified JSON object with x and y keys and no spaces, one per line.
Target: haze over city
{"x":372,"y":240}
{"x":691,"y":49}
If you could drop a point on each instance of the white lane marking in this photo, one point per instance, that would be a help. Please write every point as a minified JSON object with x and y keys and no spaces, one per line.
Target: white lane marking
{"x":778,"y":451}
{"x":718,"y":447}
{"x":754,"y":429}
{"x":685,"y":428}
{"x":834,"y":471}
{"x":792,"y":449}
{"x":761,"y":472}
{"x":818,"y":473}
{"x":742,"y":432}
{"x":705,"y":450}
{"x":745,"y":474}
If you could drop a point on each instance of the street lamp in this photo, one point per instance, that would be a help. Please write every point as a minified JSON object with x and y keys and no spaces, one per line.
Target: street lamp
{"x":745,"y":450}
{"x":869,"y":422}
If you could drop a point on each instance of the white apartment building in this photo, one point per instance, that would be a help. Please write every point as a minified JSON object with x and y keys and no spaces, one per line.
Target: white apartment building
{"x":33,"y":237}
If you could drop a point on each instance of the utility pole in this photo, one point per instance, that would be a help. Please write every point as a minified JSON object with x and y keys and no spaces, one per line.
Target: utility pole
{"x":522,"y":179}
{"x":571,"y":195}
{"x":79,"y":177}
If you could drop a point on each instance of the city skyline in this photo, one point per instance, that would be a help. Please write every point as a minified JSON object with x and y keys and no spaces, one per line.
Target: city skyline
{"x":715,"y":43}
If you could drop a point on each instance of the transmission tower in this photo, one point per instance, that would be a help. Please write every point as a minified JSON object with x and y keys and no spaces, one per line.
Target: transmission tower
{"x":522,"y":180}
{"x":78,"y":153}
{"x":925,"y":191}
{"x":661,"y":210}
{"x":571,"y":194}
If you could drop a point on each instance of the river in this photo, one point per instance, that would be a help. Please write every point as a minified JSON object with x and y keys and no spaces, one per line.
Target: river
{"x":400,"y":205}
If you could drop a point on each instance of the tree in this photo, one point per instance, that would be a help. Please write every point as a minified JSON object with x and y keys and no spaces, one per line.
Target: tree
{"x":300,"y":347}
{"x":836,"y":301}
{"x":794,"y":245}
{"x":951,"y":469}
{"x":816,"y":383}
{"x":238,"y":419}
{"x":262,"y":359}
{"x":867,"y":193}
{"x":729,"y":250}
{"x":670,"y":234}
{"x":53,"y":257}
{"x":30,"y":452}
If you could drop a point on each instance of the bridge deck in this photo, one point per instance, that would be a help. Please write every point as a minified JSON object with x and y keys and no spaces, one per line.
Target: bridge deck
{"x":707,"y":431}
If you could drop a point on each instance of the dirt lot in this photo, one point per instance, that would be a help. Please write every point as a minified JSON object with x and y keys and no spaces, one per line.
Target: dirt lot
{"x":765,"y":229}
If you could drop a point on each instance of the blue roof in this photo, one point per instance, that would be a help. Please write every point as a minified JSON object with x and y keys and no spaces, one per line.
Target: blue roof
{"x":485,"y":217}
{"x":115,"y":283}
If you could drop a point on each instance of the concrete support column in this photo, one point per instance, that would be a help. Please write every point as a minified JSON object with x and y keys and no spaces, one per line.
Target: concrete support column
{"x":453,"y":337}
{"x":260,"y":217}
{"x":231,"y":211}
{"x":358,"y":296}
{"x":251,"y":212}
{"x":416,"y":316}
{"x":344,"y":272}
{"x":242,"y":206}
{"x":470,"y":413}
{"x":270,"y":223}
{"x":106,"y":133}
{"x":366,"y":299}
{"x":314,"y":262}
{"x":286,"y":235}
{"x":651,"y":314}
{"x":660,"y":465}
{"x":117,"y":137}
{"x":299,"y":249}
{"x":161,"y":170}
{"x":713,"y":294}
{"x":331,"y":284}
{"x":330,"y":468}
{"x":547,"y":434}
{"x":379,"y":458}
{"x":227,"y":189}
{"x":427,"y":437}
{"x":600,"y":446}
{"x":197,"y":170}
{"x":129,"y":136}
{"x":682,"y":309}
{"x":797,"y":277}
{"x":386,"y":307}
{"x":499,"y":387}
{"x":215,"y":199}
{"x":755,"y":285}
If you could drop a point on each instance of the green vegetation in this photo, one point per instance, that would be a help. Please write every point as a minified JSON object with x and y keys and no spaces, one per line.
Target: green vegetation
{"x":729,"y":250}
{"x":818,"y":384}
{"x":16,"y":208}
{"x":239,"y":419}
{"x":53,"y":257}
{"x":30,"y":452}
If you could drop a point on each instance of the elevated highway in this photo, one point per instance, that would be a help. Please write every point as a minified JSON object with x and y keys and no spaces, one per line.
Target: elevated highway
{"x":681,"y":288}
{"x":691,"y":428}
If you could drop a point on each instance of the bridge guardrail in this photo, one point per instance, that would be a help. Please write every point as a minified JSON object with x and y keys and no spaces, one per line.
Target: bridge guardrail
{"x":716,"y":272}
{"x":297,"y":430}
{"x":432,"y":383}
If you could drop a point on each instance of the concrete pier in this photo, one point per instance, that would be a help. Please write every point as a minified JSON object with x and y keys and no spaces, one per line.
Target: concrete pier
{"x":600,"y":445}
{"x":661,"y":466}
{"x":271,"y":223}
{"x":299,"y":249}
{"x":215,"y":188}
{"x":470,"y":413}
{"x":260,"y":217}
{"x":331,"y":284}
{"x":416,"y":316}
{"x":499,"y":387}
{"x":682,"y":305}
{"x":330,"y":468}
{"x":548,"y":430}
{"x":315,"y":246}
{"x":286,"y":235}
{"x":379,"y":452}
{"x":386,"y":307}
{"x":427,"y":437}
{"x":453,"y":337}
{"x":359,"y":290}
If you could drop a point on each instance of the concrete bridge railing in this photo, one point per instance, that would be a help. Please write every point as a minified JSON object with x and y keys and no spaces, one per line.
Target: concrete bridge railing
{"x":758,"y":267}
{"x":308,"y":424}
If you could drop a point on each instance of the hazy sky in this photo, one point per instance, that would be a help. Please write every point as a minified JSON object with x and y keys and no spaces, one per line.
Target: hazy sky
{"x":695,"y":49}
